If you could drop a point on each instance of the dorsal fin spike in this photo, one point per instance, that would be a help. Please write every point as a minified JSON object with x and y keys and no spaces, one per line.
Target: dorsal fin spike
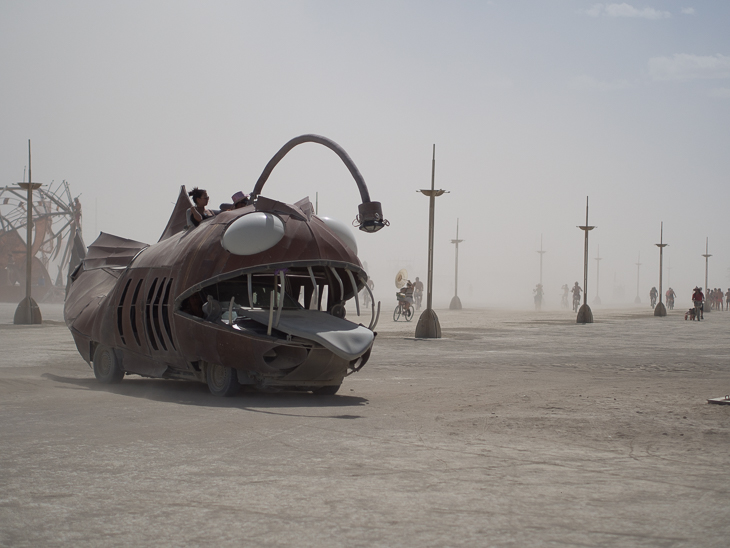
{"x":178,"y":219}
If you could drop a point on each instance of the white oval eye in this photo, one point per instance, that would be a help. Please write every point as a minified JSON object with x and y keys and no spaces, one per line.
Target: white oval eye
{"x":253,"y":233}
{"x":342,"y":231}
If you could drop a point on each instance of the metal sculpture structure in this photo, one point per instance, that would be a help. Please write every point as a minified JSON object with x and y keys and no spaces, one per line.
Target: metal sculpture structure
{"x":50,"y":225}
{"x":598,"y":260}
{"x":637,"y":300}
{"x":585,"y":315}
{"x":455,"y":300}
{"x":541,"y":252}
{"x":707,"y":256}
{"x":236,"y":300}
{"x":660,"y":309}
{"x":428,"y":326}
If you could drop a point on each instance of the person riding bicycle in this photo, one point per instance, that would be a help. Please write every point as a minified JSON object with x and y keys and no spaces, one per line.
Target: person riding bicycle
{"x":418,"y":292}
{"x":652,"y":296}
{"x":564,"y":298}
{"x":576,"y":291}
{"x":538,"y":291}
{"x":405,"y":294}
{"x":670,"y":294}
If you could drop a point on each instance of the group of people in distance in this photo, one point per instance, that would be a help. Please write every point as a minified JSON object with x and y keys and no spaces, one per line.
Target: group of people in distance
{"x":670,"y":295}
{"x":199,"y":211}
{"x":714,"y":299}
{"x":575,"y":290}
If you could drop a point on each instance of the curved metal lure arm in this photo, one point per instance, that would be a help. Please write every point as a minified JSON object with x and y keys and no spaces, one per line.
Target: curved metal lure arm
{"x":370,"y":218}
{"x":310,"y":138}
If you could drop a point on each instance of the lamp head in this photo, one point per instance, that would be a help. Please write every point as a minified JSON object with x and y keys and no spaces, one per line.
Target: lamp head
{"x":370,"y":217}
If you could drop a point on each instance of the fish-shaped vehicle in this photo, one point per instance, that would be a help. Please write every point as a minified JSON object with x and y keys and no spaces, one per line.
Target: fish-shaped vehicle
{"x":253,"y":296}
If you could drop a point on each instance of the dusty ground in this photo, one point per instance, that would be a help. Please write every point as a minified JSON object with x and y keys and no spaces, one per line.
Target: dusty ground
{"x":515,"y":429}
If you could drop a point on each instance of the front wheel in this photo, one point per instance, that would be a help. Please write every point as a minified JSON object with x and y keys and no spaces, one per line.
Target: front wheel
{"x":222,"y":380}
{"x":106,"y":366}
{"x":397,"y":313}
{"x":327,"y":390}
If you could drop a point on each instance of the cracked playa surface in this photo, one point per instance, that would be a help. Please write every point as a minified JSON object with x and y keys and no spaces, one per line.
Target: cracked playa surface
{"x":516,"y":428}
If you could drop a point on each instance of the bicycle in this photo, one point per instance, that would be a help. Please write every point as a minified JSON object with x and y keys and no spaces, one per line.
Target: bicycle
{"x":404,"y":309}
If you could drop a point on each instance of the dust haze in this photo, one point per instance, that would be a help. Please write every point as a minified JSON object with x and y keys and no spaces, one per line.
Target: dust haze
{"x":532,"y":107}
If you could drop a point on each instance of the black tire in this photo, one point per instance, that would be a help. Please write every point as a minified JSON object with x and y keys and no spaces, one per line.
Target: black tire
{"x":106,"y":365}
{"x":222,"y":380}
{"x":396,"y":313}
{"x":326,"y":390}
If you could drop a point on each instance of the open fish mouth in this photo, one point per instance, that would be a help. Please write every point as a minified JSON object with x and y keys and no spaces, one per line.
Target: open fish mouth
{"x":300,"y":301}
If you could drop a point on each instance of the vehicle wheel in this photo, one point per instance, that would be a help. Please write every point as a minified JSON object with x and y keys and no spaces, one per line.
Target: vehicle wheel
{"x":396,"y":313}
{"x":106,"y":366}
{"x":326,"y":390}
{"x":222,"y":380}
{"x":408,"y":313}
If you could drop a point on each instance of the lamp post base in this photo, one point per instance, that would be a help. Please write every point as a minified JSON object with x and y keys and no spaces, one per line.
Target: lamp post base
{"x":27,"y":314}
{"x":597,"y":300}
{"x":428,"y":325}
{"x":637,"y":300}
{"x":660,"y":310}
{"x":455,"y":303}
{"x":584,"y":314}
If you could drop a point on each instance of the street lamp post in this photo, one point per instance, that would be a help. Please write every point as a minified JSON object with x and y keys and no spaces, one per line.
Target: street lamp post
{"x":541,"y":252}
{"x":456,"y":301}
{"x":584,"y":313}
{"x":28,"y":311}
{"x":428,"y":326}
{"x":637,"y":300}
{"x":707,"y":263}
{"x":597,"y":300}
{"x":659,"y":309}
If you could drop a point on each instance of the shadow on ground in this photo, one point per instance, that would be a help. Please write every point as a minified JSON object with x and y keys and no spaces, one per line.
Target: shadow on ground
{"x":194,"y":393}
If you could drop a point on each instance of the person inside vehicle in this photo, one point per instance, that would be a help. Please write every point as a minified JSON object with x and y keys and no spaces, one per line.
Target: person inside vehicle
{"x":199,"y":211}
{"x":239,"y":200}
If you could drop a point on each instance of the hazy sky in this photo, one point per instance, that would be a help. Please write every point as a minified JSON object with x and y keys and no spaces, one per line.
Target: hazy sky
{"x":532,"y":106}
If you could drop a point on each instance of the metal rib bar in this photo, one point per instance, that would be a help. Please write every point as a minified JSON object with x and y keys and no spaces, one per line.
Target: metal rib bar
{"x":282,"y":276}
{"x":315,"y":289}
{"x":377,"y":317}
{"x":230,"y":312}
{"x":342,"y":287}
{"x":271,"y":312}
{"x":250,"y":291}
{"x":354,"y":288}
{"x":372,"y":305}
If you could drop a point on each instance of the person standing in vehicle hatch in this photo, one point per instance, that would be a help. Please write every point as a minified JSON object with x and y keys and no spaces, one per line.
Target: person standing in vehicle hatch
{"x":196,"y":214}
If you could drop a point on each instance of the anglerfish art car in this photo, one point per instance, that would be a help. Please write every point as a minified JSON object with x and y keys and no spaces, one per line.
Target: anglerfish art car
{"x":253,"y":296}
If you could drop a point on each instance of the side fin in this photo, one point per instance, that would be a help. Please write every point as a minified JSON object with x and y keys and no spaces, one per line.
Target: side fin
{"x":178,"y":219}
{"x":109,"y":251}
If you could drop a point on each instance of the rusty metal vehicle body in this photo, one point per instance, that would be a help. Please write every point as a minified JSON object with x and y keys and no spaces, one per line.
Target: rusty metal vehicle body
{"x":239,"y":299}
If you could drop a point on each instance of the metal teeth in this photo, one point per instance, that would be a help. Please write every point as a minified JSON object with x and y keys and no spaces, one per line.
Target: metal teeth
{"x":277,"y":300}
